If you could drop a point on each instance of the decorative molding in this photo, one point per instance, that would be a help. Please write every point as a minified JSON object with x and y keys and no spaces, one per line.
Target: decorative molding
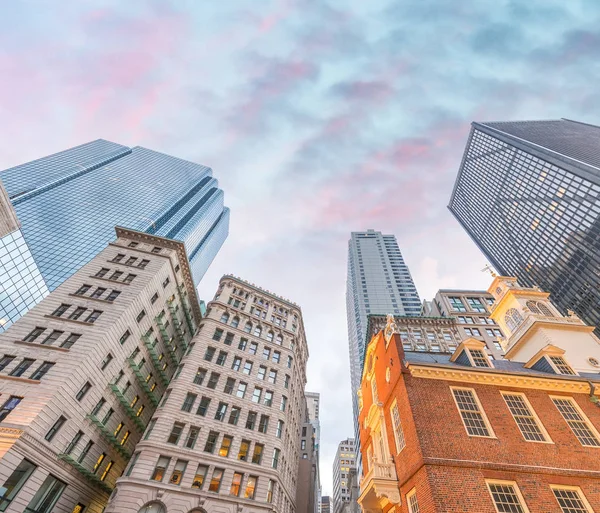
{"x":504,"y":379}
{"x":41,"y":346}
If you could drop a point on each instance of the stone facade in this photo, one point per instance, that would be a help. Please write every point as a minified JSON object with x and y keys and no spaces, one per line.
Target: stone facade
{"x":82,"y":372}
{"x":458,"y":431}
{"x":471,"y":309}
{"x":226,"y":436}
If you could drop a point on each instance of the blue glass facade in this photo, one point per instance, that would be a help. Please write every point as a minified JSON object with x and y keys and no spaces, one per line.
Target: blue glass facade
{"x":69,"y":204}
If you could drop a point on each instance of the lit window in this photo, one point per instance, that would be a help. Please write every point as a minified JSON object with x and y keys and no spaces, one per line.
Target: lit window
{"x":160,"y":469}
{"x":507,"y":497}
{"x":472,"y":415}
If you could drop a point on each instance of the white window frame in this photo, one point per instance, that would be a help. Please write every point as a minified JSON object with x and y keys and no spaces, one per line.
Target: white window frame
{"x":412,"y":493}
{"x":587,"y":421}
{"x":514,"y":484}
{"x":576,"y":489}
{"x":400,"y":441}
{"x":539,"y":422}
{"x":492,"y":434}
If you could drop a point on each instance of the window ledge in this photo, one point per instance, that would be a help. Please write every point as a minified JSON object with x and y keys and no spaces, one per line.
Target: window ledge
{"x":42,"y":346}
{"x":128,"y":265}
{"x":105,"y":301}
{"x":21,"y":380}
{"x":82,"y":323}
{"x":108,"y":280}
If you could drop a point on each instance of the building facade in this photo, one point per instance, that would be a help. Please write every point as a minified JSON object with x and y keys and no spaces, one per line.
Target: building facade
{"x":343,"y":464}
{"x":326,"y":504}
{"x":459,"y":431}
{"x":471,"y":308}
{"x":378,"y":282}
{"x":69,"y":203}
{"x":226,"y":436}
{"x":528,"y":194}
{"x":83,"y":371}
{"x":22,"y":285}
{"x":308,"y":491}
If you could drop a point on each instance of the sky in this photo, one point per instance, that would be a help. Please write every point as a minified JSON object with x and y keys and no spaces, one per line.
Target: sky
{"x":318,"y":118}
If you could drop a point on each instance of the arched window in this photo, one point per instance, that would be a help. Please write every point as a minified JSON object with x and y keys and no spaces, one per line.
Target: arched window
{"x":279,"y":339}
{"x":225,"y":317}
{"x":545,"y":310}
{"x":153,"y":507}
{"x":533,"y":307}
{"x":248,"y":328}
{"x":235,"y":322}
{"x":270,"y":336}
{"x":513,"y":318}
{"x":257,"y":331}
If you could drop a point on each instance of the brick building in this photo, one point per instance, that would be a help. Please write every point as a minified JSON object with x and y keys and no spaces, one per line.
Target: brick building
{"x":457,"y":431}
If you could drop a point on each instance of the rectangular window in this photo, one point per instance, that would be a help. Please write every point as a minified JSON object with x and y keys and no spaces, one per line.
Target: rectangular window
{"x":279,"y":430}
{"x":203,"y":406}
{"x":229,"y":386}
{"x":175,"y":433}
{"x":210,"y":352}
{"x":20,"y":369}
{"x":268,"y":399}
{"x":113,"y":295}
{"x":276,"y":356}
{"x":241,"y":390}
{"x":263,"y":424}
{"x":251,"y":420}
{"x":6,"y":361}
{"x":228,"y":339}
{"x":283,"y":403}
{"x":215,"y":482}
{"x":272,"y":376}
{"x":189,"y":401}
{"x":54,"y":429}
{"x":84,"y":390}
{"x":141,"y":315}
{"x":247,"y":367}
{"x":225,"y":446}
{"x":213,"y":380}
{"x":411,"y":500}
{"x":217,"y":334}
{"x":192,"y":437}
{"x":257,"y":454}
{"x":161,"y":467}
{"x":243,"y":343}
{"x":270,"y":489}
{"x":41,"y":371}
{"x":221,"y":358}
{"x":397,"y":425}
{"x":525,"y":418}
{"x":580,"y":425}
{"x":132,"y":464}
{"x":178,"y":472}
{"x":244,"y":449}
{"x":275,"y":461}
{"x":476,"y":305}
{"x":253,"y":348}
{"x":256,"y":395}
{"x":250,"y":487}
{"x":86,"y":450}
{"x":507,"y":497}
{"x":200,"y":375}
{"x":221,"y":412}
{"x":211,"y":442}
{"x":234,"y":416}
{"x":124,"y":337}
{"x":571,"y":499}
{"x":61,"y":310}
{"x":262,"y":372}
{"x":102,"y":272}
{"x":266,"y":353}
{"x":200,"y":476}
{"x":472,"y":415}
{"x":479,"y":358}
{"x":562,"y":366}
{"x":456,"y":304}
{"x":47,"y":495}
{"x":53,"y":337}
{"x":35,"y":333}
{"x":129,"y":278}
{"x":73,"y":443}
{"x":236,"y":484}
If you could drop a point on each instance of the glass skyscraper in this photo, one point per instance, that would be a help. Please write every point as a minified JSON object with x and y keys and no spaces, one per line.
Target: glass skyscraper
{"x":528,"y":194}
{"x":69,"y":203}
{"x":379,"y":282}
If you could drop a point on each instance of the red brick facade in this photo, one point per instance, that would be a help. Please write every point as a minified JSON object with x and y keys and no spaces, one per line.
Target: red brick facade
{"x":447,"y":467}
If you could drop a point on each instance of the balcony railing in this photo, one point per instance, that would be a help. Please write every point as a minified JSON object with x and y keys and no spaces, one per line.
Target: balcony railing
{"x":88,"y":474}
{"x":130,"y":412}
{"x":142,"y":382}
{"x":110,"y":438}
{"x":156,"y":363}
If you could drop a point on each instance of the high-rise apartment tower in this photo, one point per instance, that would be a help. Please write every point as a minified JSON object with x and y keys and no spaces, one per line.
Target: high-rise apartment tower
{"x":528,"y":194}
{"x":69,"y":203}
{"x":379,"y":282}
{"x":226,"y":436}
{"x":344,"y":463}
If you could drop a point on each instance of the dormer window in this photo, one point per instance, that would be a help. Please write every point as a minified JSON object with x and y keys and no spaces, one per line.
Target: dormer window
{"x":562,"y":366}
{"x":479,"y":358}
{"x":471,"y":353}
{"x":550,"y":359}
{"x":513,"y":319}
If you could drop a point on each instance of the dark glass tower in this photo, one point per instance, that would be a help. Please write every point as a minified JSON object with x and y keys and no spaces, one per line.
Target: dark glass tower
{"x":528,"y":194}
{"x":69,"y":203}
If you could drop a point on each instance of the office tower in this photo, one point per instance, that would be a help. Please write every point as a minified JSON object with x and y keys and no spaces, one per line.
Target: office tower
{"x":471,"y":308}
{"x":344,"y":463}
{"x":21,"y":283}
{"x":82,"y":372}
{"x":226,"y":434}
{"x":326,"y":504}
{"x":309,"y":483}
{"x":528,"y":194}
{"x":379,"y":282}
{"x":446,"y":431}
{"x":69,"y":203}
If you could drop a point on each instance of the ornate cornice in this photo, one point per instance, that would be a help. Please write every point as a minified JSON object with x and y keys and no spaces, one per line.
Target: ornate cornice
{"x":504,"y":378}
{"x":182,"y":256}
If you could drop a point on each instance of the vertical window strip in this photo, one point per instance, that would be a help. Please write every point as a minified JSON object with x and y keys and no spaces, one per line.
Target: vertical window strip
{"x":398,"y":431}
{"x":411,"y":499}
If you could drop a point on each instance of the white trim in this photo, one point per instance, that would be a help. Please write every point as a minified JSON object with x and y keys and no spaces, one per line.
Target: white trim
{"x":548,"y":439}
{"x":574,"y":489}
{"x":514,"y":484}
{"x":583,"y":416}
{"x":481,"y":411}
